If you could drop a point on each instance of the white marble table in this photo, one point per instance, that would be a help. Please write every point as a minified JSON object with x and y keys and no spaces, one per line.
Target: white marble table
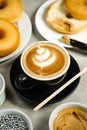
{"x":41,"y":117}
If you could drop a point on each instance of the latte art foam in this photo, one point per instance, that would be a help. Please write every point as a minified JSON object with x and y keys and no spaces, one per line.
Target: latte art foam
{"x":44,"y":60}
{"x":44,"y":57}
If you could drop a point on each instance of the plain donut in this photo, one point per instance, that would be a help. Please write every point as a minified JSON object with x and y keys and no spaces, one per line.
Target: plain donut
{"x":10,"y":9}
{"x":77,"y":8}
{"x":9,"y":37}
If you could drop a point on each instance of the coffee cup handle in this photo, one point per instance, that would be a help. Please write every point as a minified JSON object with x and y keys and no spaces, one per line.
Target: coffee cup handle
{"x":23,"y":82}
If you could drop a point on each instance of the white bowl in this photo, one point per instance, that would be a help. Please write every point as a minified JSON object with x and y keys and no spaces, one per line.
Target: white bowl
{"x":2,"y":89}
{"x":14,"y":119}
{"x":63,"y":106}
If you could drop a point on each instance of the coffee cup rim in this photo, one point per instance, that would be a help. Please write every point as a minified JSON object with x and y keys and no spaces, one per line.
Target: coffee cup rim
{"x":63,"y":106}
{"x":50,"y":78}
{"x":3,"y":83}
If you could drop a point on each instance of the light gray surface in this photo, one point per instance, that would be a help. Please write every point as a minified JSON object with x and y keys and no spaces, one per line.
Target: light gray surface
{"x":41,"y":117}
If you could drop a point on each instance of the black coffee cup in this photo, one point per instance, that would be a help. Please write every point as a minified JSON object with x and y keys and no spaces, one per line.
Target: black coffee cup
{"x":38,"y":53}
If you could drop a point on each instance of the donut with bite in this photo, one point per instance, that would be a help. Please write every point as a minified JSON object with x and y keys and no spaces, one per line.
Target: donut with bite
{"x":59,"y":19}
{"x":9,"y":37}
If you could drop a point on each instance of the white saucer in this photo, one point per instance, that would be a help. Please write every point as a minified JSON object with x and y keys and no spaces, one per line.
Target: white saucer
{"x":48,"y":33}
{"x":25,"y":29}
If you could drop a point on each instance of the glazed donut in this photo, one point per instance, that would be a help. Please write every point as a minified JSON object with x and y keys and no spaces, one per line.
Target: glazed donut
{"x":10,"y":9}
{"x":9,"y":37}
{"x":77,"y":8}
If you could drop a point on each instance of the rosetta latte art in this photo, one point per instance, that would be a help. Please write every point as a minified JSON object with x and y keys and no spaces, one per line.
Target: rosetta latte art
{"x":44,"y":60}
{"x":44,"y":57}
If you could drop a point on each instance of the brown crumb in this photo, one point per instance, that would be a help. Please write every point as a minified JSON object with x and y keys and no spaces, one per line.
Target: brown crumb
{"x":65,"y":39}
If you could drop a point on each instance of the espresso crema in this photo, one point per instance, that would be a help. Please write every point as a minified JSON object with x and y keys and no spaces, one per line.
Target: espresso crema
{"x":44,"y":60}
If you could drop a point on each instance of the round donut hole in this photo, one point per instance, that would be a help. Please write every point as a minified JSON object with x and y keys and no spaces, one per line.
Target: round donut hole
{"x":2,"y":4}
{"x":2,"y":34}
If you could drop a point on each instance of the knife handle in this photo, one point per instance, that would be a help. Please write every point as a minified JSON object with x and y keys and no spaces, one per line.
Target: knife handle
{"x":78,"y":44}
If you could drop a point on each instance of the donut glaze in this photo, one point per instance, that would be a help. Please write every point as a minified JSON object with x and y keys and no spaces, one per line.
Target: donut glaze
{"x":77,"y":8}
{"x":9,"y":37}
{"x":10,"y":9}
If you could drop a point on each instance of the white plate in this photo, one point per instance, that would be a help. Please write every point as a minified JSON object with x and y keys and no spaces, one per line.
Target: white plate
{"x":25,"y":29}
{"x":48,"y":33}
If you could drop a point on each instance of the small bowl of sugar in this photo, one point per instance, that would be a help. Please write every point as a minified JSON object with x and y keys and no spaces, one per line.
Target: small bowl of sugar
{"x":13,"y":119}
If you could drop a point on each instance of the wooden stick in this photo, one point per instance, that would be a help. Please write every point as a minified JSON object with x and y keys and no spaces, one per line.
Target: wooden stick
{"x":60,"y":89}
